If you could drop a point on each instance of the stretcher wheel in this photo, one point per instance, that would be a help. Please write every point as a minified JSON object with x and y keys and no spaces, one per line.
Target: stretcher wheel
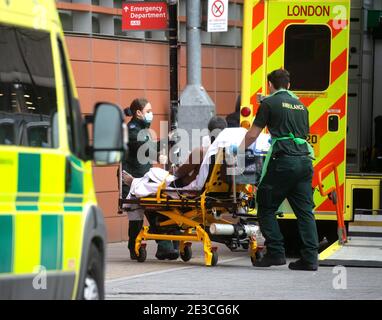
{"x":258,"y":256}
{"x":142,"y":254}
{"x":187,"y":254}
{"x":215,"y":258}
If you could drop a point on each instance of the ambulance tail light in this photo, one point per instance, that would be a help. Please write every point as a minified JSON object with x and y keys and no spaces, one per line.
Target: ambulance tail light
{"x":245,"y":124}
{"x":246,"y":111}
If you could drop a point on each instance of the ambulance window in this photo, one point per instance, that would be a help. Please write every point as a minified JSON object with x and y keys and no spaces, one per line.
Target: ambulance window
{"x":307,"y":56}
{"x":77,"y":132}
{"x":27,"y":87}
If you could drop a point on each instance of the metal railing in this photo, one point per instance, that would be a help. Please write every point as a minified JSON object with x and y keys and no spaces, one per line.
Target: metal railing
{"x":334,"y":195}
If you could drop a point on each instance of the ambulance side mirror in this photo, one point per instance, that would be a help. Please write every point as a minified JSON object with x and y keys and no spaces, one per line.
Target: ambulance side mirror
{"x":109,"y":133}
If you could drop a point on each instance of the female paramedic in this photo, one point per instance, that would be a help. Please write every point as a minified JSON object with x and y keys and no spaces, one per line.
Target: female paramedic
{"x":137,"y":163}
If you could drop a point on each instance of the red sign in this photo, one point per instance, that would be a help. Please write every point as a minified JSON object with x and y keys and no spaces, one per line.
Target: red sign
{"x":144,"y":15}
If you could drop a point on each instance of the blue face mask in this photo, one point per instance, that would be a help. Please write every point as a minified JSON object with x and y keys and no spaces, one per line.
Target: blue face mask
{"x":149,"y":117}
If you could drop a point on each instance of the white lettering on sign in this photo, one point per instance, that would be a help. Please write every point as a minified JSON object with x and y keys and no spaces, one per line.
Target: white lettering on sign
{"x":150,"y":15}
{"x":146,"y":9}
{"x":147,"y":15}
{"x":308,"y":11}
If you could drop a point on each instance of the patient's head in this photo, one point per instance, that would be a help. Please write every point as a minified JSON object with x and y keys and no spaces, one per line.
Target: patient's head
{"x":215,"y":126}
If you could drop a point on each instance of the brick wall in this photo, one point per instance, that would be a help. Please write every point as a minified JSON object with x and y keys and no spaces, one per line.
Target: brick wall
{"x":118,"y":71}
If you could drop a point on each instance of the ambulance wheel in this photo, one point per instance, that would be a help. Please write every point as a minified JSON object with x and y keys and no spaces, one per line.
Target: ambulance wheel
{"x":142,"y":254}
{"x":93,"y":287}
{"x":215,"y":258}
{"x":187,"y":254}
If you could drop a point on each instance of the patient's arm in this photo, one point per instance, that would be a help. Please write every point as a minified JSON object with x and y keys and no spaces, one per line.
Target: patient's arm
{"x":193,"y":162}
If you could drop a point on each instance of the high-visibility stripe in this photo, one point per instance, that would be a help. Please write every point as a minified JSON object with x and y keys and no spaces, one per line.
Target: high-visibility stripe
{"x":27,"y":242}
{"x":307,"y":101}
{"x":6,"y":243}
{"x":339,"y":66}
{"x":29,"y":172}
{"x":335,"y":30}
{"x":335,"y":155}
{"x":258,"y":14}
{"x":52,"y":186}
{"x":320,"y":126}
{"x":51,"y":242}
{"x":328,"y":205}
{"x":320,"y":106}
{"x":276,"y":37}
{"x":72,"y":237}
{"x":257,"y":58}
{"x":77,"y":183}
{"x":72,"y":244}
{"x":73,"y":208}
{"x":22,"y":207}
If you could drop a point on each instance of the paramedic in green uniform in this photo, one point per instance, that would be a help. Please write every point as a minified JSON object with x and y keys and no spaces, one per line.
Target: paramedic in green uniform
{"x":136,"y":165}
{"x":288,"y":174}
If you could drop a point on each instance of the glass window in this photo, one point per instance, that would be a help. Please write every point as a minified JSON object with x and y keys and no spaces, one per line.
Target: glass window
{"x":76,"y":128}
{"x":307,"y":56}
{"x":66,"y":20}
{"x":95,"y":24}
{"x":28,"y":101}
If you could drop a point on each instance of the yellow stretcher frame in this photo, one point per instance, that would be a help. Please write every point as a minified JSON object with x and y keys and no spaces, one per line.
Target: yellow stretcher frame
{"x":200,"y":215}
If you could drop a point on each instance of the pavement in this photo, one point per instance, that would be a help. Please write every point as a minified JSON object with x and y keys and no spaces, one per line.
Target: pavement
{"x":234,"y":278}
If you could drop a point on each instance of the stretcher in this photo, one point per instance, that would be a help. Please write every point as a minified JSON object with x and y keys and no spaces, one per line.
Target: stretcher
{"x":219,"y":212}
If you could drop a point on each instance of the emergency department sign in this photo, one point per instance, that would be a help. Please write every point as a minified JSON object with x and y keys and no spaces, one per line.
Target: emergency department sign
{"x":217,"y":19}
{"x":144,"y":16}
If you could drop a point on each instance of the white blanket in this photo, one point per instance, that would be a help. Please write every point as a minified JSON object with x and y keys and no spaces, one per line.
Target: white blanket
{"x":150,"y":182}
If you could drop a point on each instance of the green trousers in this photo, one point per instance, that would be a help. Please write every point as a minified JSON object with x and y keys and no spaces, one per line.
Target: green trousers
{"x":288,"y":177}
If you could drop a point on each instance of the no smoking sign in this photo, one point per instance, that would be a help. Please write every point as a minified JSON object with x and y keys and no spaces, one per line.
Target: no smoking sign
{"x":217,"y":16}
{"x":218,"y":8}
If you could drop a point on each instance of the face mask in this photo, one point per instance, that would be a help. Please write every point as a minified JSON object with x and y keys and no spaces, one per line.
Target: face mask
{"x":149,"y":117}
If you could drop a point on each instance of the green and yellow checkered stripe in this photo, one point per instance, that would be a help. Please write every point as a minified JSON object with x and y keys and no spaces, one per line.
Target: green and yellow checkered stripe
{"x":40,"y":224}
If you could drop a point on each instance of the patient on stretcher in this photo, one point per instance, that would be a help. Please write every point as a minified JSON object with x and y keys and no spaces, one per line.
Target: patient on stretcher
{"x":189,"y":176}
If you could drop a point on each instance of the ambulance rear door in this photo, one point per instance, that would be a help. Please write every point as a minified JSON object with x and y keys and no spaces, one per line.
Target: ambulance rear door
{"x":310,"y":39}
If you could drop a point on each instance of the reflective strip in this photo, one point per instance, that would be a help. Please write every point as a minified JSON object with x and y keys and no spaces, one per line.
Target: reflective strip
{"x":27,"y":242}
{"x":339,"y":66}
{"x":52,"y":186}
{"x":72,"y":235}
{"x":29,"y":172}
{"x":72,"y":245}
{"x":77,"y":183}
{"x":51,"y":242}
{"x":6,"y":243}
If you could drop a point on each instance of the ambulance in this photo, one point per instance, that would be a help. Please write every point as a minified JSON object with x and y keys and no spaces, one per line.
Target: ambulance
{"x":52,"y":232}
{"x":312,"y":40}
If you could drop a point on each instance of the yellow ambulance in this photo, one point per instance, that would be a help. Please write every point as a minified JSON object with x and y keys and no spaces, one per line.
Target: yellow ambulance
{"x":311,"y":40}
{"x":52,"y":233}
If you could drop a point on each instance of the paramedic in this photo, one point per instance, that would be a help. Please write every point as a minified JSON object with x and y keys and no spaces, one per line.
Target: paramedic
{"x":288,"y":175}
{"x":142,"y":115}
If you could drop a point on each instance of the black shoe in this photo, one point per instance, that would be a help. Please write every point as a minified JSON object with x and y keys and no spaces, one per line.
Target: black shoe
{"x":302,"y":265}
{"x":268,"y":261}
{"x":133,"y":255}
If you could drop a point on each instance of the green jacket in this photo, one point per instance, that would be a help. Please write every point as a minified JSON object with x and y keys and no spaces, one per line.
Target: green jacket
{"x":132,"y":164}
